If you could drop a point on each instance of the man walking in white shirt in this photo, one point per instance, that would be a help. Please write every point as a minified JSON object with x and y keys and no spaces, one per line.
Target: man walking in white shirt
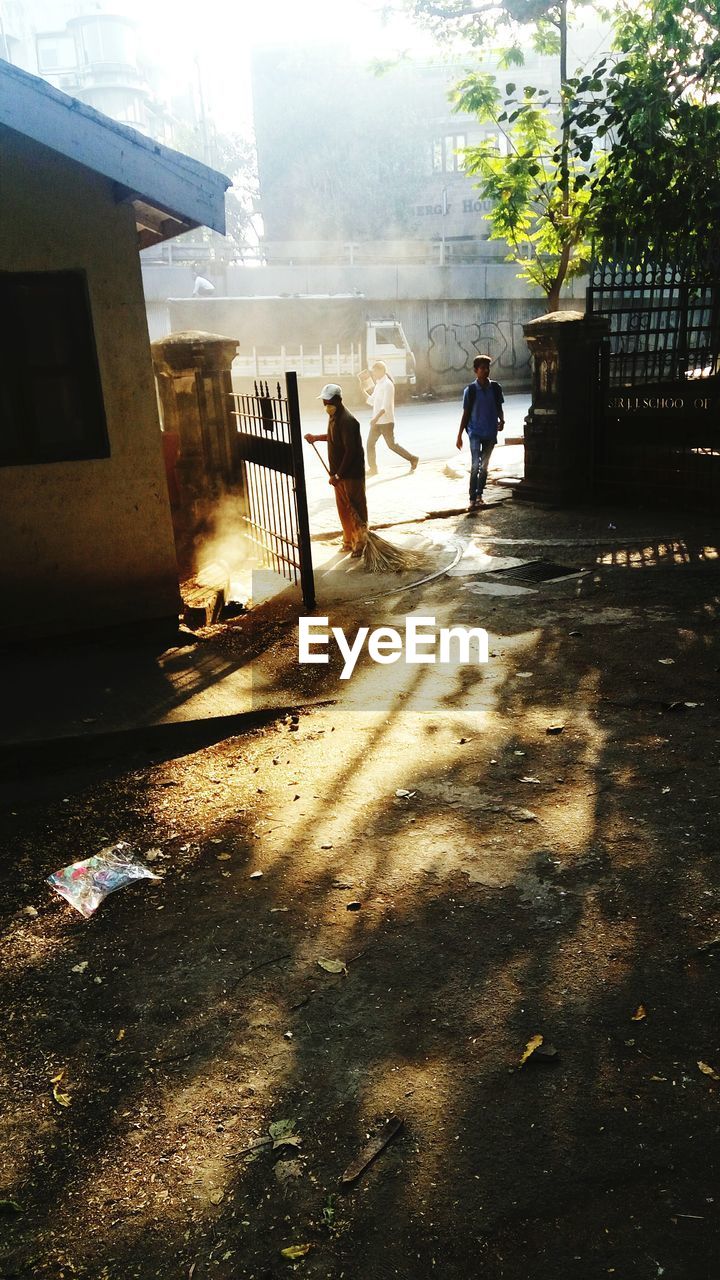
{"x":382,"y":423}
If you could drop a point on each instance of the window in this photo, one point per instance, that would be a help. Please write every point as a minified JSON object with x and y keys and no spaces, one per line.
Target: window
{"x":51,"y":403}
{"x":388,"y":336}
{"x":444,"y":157}
{"x":55,"y":53}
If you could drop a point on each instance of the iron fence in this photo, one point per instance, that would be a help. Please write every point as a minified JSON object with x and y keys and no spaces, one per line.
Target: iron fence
{"x":664,"y":314}
{"x":659,"y":430}
{"x":269,"y":449}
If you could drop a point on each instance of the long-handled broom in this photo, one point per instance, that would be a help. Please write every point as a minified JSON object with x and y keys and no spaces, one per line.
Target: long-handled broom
{"x":379,"y":555}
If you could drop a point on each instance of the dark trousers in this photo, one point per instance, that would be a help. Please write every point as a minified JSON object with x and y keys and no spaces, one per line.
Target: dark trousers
{"x":387,"y":431}
{"x":480,"y":454}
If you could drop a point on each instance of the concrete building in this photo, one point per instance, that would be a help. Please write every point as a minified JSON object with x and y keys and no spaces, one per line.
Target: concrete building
{"x":87,"y":538}
{"x":89,"y":52}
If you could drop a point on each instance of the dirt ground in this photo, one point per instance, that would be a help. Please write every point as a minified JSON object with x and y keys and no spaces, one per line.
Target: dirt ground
{"x":528,"y":848}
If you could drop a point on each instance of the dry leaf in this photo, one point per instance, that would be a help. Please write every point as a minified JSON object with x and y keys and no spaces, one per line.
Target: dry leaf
{"x":292,"y":1140}
{"x":295,"y":1251}
{"x":333,"y":966}
{"x":62,"y":1099}
{"x":216,"y":1196}
{"x":522,"y":815}
{"x":10,"y":1206}
{"x":707,"y":1070}
{"x":639,"y":1013}
{"x":281,"y":1130}
{"x":533,"y":1043}
{"x":372,"y":1149}
{"x":121,"y":1034}
{"x":224,"y":857}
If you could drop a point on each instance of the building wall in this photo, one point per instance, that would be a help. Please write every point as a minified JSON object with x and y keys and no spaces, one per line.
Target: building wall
{"x":449,"y":314}
{"x":86,"y":544}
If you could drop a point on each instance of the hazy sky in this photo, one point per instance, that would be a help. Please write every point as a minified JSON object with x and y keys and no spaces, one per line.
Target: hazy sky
{"x":212,"y":40}
{"x":221,"y":33}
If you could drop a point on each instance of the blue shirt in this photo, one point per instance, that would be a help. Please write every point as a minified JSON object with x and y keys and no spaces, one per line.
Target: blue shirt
{"x":483,"y":422}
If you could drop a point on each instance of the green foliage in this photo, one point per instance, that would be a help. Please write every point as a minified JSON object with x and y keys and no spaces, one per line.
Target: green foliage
{"x":660,"y":115}
{"x":542,"y":220}
{"x":634,"y":150}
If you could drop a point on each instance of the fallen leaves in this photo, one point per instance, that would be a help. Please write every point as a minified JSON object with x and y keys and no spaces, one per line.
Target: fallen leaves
{"x":62,"y":1099}
{"x":533,"y":1043}
{"x":372,"y":1149}
{"x":640,"y":1013}
{"x":707,"y":1070}
{"x":283,"y":1134}
{"x":538,"y":1049}
{"x":333,"y":966}
{"x":295,"y":1251}
{"x":10,"y":1206}
{"x":522,"y":815}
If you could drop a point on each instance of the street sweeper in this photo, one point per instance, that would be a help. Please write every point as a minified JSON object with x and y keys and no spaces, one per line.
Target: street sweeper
{"x":346,"y":473}
{"x":346,"y":468}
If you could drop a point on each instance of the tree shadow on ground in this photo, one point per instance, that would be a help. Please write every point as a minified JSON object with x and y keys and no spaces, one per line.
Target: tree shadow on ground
{"x":480,"y":926}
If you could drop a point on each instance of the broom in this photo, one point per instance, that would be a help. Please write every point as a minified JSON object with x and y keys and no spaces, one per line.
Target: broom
{"x":379,"y":555}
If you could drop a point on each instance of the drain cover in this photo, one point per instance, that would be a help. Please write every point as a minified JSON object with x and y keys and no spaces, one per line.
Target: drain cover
{"x":534,"y":571}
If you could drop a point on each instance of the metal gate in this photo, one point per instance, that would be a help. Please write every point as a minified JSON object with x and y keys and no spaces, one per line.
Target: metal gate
{"x":660,"y":429}
{"x":269,"y":449}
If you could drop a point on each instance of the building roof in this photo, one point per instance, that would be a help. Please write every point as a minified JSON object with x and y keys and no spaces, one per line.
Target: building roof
{"x":169,"y":192}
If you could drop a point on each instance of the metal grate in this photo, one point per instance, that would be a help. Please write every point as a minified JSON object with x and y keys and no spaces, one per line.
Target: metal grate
{"x":534,"y":571}
{"x":269,"y":447}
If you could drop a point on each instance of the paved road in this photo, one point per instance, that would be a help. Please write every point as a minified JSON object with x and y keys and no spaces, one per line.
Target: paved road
{"x":427,"y":427}
{"x":430,"y":429}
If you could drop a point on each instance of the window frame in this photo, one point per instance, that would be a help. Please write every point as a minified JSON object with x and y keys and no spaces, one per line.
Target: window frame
{"x":24,"y":437}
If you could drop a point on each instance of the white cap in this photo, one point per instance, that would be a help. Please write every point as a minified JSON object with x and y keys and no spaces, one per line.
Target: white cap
{"x":329,"y":391}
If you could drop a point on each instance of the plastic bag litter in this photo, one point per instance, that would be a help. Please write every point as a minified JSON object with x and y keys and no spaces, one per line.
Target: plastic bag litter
{"x":86,"y":883}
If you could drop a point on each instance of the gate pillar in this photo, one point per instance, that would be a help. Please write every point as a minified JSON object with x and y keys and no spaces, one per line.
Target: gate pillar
{"x":193,"y":374}
{"x":568,"y":394}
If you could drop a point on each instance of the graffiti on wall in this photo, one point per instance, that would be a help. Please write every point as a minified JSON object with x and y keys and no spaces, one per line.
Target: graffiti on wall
{"x":453,"y":347}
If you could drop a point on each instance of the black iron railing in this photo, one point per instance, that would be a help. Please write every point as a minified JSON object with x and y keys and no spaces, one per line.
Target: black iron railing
{"x":269,"y":449}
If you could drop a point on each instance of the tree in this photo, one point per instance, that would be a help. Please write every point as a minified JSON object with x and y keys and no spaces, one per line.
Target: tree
{"x":538,"y":181}
{"x":659,"y":180}
{"x":632,"y":149}
{"x":233,"y":155}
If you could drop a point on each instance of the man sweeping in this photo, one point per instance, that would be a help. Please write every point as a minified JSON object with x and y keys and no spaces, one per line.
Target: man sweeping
{"x":346,"y":461}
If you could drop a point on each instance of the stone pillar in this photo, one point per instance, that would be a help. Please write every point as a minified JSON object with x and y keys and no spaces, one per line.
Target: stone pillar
{"x":193,"y":372}
{"x":567,"y":400}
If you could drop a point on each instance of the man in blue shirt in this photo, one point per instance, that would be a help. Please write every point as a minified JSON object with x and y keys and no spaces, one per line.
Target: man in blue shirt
{"x":482,"y":418}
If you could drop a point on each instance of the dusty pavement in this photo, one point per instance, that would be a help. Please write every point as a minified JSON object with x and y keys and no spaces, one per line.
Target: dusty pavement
{"x":533,"y":849}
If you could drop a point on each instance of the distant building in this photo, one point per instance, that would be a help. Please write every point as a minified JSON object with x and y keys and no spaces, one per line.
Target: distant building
{"x":347,"y":156}
{"x":89,"y":53}
{"x":366,"y":157}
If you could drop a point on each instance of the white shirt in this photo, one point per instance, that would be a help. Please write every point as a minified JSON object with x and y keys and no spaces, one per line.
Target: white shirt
{"x":382,"y":399}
